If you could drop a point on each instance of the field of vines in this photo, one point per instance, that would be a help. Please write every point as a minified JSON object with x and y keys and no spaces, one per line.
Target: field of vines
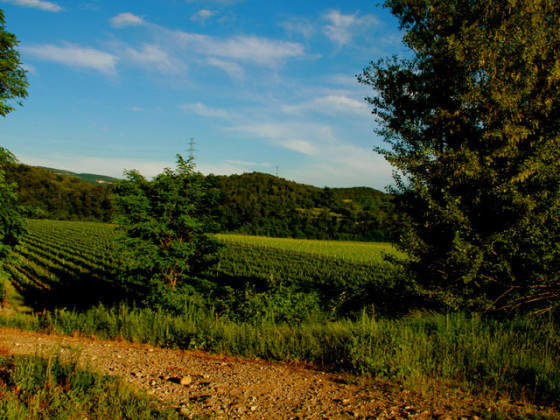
{"x":358,"y":252}
{"x":74,"y":264}
{"x":62,"y":263}
{"x":284,"y":305}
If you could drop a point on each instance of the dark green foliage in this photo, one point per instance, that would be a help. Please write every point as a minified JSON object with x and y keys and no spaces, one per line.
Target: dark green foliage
{"x":45,"y":194}
{"x":74,"y":264}
{"x":166,"y":244}
{"x":11,"y":222}
{"x":336,"y":287}
{"x":91,"y":178}
{"x":258,"y":204}
{"x":13,"y":85}
{"x":13,"y":81}
{"x":63,"y":264}
{"x":473,"y":123}
{"x":255,"y":203}
{"x":265,"y":205}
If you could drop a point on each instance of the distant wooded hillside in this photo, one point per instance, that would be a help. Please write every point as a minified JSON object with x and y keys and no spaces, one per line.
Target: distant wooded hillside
{"x":262,"y":204}
{"x":252,"y":203}
{"x":91,"y":178}
{"x":46,"y":194}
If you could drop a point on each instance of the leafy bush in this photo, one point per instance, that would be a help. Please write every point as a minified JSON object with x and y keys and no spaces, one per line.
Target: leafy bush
{"x":165,"y":243}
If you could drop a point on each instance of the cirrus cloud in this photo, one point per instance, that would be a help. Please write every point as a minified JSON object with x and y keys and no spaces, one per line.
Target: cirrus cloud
{"x":154,"y":57}
{"x":126,"y":19}
{"x":306,"y":138}
{"x":205,"y":111}
{"x":75,"y":56}
{"x":342,"y":28}
{"x":262,"y":51}
{"x":330,"y":105}
{"x":202,"y":15}
{"x":36,"y":4}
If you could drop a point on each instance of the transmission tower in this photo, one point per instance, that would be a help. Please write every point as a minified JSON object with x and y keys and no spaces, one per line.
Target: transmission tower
{"x":191,"y":149}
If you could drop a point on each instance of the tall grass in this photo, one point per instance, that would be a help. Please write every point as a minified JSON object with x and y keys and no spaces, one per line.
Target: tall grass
{"x":519,"y":357}
{"x":32,"y":387}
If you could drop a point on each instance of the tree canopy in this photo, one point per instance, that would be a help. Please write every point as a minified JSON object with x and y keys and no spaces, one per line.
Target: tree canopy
{"x":11,"y":223}
{"x":13,"y":81}
{"x":471,"y":118}
{"x":166,"y":243}
{"x":13,"y":85}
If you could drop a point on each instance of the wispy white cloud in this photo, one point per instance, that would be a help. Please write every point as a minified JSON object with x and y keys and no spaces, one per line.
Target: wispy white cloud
{"x":172,"y":51}
{"x":74,"y":56}
{"x":29,"y":68}
{"x":262,"y":51}
{"x":342,"y":28}
{"x":36,"y":4}
{"x":299,"y":26}
{"x":154,"y":57}
{"x":305,"y":138}
{"x":256,"y":49}
{"x":233,"y":70}
{"x":126,"y":19}
{"x":330,"y":105}
{"x":205,"y":111}
{"x":202,"y":15}
{"x":298,"y":145}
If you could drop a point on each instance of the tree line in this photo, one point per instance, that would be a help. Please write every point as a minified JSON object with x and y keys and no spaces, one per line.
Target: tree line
{"x":252,"y":203}
{"x":44,"y":194}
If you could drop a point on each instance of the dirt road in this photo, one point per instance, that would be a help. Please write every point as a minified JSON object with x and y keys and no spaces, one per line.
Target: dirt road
{"x":225,"y":387}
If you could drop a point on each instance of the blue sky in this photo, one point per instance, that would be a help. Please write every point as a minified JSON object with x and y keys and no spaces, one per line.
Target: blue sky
{"x":261,"y":85}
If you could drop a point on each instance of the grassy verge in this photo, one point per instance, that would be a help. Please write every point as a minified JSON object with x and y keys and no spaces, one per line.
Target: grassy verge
{"x":32,"y":387}
{"x":519,"y":357}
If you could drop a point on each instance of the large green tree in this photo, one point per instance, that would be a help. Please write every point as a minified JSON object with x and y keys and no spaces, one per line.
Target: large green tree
{"x":13,"y":81}
{"x":472,"y":118}
{"x":166,"y":244}
{"x":13,"y":85}
{"x":11,"y":223}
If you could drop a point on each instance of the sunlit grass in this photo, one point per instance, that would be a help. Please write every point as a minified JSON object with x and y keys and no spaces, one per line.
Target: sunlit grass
{"x":33,"y":387}
{"x":352,"y":251}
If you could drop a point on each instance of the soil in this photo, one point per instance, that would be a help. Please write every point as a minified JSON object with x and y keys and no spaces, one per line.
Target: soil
{"x":203,"y":385}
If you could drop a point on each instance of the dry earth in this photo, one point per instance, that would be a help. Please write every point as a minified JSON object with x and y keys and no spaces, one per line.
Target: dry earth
{"x":203,"y":385}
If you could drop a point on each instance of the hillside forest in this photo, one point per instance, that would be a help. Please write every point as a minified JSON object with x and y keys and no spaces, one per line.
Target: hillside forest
{"x":251,"y":203}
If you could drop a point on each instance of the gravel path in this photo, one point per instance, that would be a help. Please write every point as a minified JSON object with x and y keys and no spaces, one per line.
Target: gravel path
{"x":200,"y":384}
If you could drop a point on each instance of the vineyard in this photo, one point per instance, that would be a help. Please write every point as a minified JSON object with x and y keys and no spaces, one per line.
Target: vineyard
{"x":280,"y":304}
{"x":62,"y":263}
{"x":69,"y":264}
{"x":359,"y":252}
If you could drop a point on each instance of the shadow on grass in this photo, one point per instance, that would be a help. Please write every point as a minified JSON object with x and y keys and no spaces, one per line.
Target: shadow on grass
{"x":68,"y":288}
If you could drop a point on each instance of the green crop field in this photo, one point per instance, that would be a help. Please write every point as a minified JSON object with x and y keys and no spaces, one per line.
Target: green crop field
{"x":329,"y":303}
{"x":61,"y":263}
{"x":359,"y":252}
{"x":69,"y":264}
